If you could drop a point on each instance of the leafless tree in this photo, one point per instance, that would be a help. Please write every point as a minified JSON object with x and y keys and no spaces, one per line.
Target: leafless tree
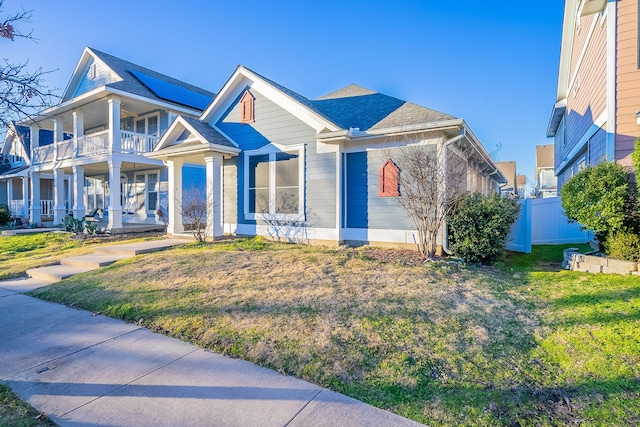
{"x":193,"y":208}
{"x":284,"y":227}
{"x":431,"y":179}
{"x":22,"y":92}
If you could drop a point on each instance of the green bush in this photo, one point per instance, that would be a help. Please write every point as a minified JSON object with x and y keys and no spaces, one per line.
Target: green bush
{"x":76,"y":226}
{"x":623,"y":245}
{"x":479,"y":226}
{"x":5,"y":215}
{"x":600,"y":199}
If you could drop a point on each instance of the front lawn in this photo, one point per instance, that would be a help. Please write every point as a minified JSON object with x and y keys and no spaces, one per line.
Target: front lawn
{"x":519,"y":344}
{"x":26,"y":251}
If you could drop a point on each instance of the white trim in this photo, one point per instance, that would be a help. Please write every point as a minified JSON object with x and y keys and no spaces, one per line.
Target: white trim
{"x":611,"y":80}
{"x":179,"y":125}
{"x":271,"y":150}
{"x":243,"y":77}
{"x":582,"y":54}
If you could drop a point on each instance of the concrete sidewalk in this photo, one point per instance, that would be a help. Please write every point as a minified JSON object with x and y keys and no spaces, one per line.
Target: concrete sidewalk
{"x":87,"y":370}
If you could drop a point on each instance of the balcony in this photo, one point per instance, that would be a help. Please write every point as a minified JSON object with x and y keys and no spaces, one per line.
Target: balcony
{"x":94,"y":144}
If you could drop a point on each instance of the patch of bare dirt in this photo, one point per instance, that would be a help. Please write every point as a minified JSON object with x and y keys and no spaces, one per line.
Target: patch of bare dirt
{"x":396,"y":256}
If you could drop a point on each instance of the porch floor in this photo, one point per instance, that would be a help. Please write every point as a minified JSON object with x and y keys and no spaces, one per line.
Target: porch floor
{"x":130,"y":227}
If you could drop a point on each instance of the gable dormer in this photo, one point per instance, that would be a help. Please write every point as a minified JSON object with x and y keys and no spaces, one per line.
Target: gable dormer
{"x":90,"y":73}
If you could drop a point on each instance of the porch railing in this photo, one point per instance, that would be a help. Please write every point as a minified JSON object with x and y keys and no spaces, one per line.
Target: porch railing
{"x":92,"y":145}
{"x":137,"y":143}
{"x":16,"y":207}
{"x":46,"y":207}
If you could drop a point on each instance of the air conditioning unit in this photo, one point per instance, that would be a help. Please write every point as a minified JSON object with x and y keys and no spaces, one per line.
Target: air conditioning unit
{"x":589,"y":7}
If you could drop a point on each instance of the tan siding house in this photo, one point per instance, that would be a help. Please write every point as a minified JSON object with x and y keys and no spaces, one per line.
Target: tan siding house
{"x":598,"y":94}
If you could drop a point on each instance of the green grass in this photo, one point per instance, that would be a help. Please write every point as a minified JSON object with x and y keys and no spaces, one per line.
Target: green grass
{"x":26,"y":251}
{"x":523,"y":343}
{"x":16,"y":413}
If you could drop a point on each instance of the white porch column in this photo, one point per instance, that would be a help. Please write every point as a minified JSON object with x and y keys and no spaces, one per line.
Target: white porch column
{"x":8,"y":186}
{"x":36,"y":209}
{"x":213,"y":167}
{"x":78,"y":192}
{"x":25,"y":197}
{"x":59,"y":209}
{"x":78,"y":128}
{"x":35,"y":141}
{"x":175,"y":197}
{"x":58,"y":135}
{"x":115,"y":206}
{"x":114,"y":126}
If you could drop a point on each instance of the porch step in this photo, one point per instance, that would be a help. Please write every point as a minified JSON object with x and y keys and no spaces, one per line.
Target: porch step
{"x":55,"y":273}
{"x":92,"y":261}
{"x":23,"y":284}
{"x":133,"y":249}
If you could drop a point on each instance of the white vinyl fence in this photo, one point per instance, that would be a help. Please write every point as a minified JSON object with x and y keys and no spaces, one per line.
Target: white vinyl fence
{"x":543,"y":222}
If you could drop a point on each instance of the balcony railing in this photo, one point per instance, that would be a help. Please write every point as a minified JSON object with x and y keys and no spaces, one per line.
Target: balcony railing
{"x":137,"y":143}
{"x":93,"y":145}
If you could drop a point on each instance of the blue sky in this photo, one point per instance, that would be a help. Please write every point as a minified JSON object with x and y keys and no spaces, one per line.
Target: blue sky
{"x":495,"y":64}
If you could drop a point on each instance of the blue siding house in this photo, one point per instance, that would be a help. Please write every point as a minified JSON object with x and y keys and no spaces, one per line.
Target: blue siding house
{"x":281,"y":165}
{"x":132,"y":142}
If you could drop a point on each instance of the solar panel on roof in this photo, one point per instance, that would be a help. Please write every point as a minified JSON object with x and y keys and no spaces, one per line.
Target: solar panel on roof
{"x":171,"y":92}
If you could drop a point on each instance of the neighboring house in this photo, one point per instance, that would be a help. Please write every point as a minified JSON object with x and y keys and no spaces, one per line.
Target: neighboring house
{"x":111,"y":113}
{"x":15,"y":160}
{"x":279,"y":164}
{"x":521,"y":184}
{"x":546,"y":181}
{"x":270,"y":161}
{"x":598,"y":97}
{"x":508,"y":169}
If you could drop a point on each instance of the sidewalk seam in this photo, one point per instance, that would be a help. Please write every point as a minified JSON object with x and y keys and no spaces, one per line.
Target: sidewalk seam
{"x":132,"y":381}
{"x":303,"y":407}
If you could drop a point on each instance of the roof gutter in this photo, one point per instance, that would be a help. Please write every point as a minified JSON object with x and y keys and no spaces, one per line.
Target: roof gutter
{"x":463,"y":133}
{"x":356,"y":134}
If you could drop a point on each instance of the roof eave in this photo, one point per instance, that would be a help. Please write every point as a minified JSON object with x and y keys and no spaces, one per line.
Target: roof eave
{"x":556,"y":117}
{"x":356,"y":134}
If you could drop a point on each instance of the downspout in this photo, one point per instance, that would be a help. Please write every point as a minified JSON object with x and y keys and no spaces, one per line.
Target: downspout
{"x":445,"y":232}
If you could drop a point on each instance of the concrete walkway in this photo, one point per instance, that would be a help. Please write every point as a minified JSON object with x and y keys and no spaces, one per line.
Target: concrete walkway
{"x":87,"y":370}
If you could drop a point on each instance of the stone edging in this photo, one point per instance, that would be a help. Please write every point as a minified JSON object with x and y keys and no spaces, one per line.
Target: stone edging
{"x":594,"y":264}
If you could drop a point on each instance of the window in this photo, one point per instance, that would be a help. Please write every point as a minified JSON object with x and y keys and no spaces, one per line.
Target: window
{"x":146,"y":192}
{"x":247,"y":113}
{"x":94,"y":195}
{"x":147,"y":125}
{"x":274,"y":182}
{"x":389,"y":185}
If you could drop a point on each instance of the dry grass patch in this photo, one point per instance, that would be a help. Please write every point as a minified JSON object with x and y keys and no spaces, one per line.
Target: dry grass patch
{"x":400,"y":337}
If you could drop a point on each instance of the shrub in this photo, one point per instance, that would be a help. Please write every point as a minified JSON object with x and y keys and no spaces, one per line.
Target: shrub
{"x":600,"y":199}
{"x":5,"y":215}
{"x":623,"y":245}
{"x":479,"y":226}
{"x":76,"y":226}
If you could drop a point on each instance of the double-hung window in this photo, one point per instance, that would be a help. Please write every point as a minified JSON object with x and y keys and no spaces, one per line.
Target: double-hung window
{"x":274,"y":182}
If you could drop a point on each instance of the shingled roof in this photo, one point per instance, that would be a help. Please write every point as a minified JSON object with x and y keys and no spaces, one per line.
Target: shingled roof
{"x":131,"y":84}
{"x":208,"y":132}
{"x":357,"y":107}
{"x":544,"y":156}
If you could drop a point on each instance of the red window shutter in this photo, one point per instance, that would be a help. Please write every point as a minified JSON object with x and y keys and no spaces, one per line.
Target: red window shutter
{"x":389,"y":174}
{"x":247,"y":108}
